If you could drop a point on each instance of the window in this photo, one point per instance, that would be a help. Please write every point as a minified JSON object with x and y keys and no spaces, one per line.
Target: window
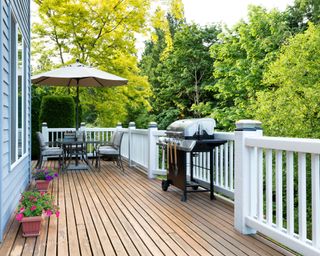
{"x":18,"y":93}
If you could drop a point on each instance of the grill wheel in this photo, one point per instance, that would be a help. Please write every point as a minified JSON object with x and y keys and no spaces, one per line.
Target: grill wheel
{"x":165,"y":184}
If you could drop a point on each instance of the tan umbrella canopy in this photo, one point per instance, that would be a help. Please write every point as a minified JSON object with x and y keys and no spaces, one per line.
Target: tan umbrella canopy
{"x":78,"y":75}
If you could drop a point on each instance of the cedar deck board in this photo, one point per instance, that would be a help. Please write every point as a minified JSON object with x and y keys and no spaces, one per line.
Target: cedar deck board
{"x":110,"y":213}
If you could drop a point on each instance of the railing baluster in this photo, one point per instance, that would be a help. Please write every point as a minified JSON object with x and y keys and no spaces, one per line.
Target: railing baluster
{"x":221,"y":166}
{"x":290,"y":193}
{"x":315,"y":200}
{"x":253,"y":181}
{"x":216,"y":162}
{"x":226,"y":165}
{"x":279,"y":208}
{"x":269,"y":186}
{"x":200,"y":166}
{"x":260,"y":184}
{"x":302,"y":196}
{"x":231,"y":156}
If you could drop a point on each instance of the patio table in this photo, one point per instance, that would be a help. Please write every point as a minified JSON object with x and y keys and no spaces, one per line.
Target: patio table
{"x":77,"y":148}
{"x":74,"y":148}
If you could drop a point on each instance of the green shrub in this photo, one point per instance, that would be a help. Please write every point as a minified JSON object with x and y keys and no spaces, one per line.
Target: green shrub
{"x":57,"y":111}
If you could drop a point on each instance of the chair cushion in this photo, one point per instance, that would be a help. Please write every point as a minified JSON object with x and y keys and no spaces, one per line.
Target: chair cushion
{"x":41,"y":139}
{"x":108,"y":150}
{"x":54,"y":151}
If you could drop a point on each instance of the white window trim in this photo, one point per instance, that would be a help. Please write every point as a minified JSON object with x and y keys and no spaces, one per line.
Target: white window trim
{"x":24,"y":101}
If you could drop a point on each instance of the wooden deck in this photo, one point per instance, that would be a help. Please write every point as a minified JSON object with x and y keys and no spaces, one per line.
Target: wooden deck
{"x":108,"y":213}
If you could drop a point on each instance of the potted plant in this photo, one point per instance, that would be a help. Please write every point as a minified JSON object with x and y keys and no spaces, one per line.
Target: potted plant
{"x":32,"y":206}
{"x":43,"y":177}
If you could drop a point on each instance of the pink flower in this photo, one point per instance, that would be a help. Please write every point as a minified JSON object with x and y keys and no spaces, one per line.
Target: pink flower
{"x":57,"y":214}
{"x":42,"y":193}
{"x":21,"y":210}
{"x":19,"y":216}
{"x":33,"y":207}
{"x":49,"y":213}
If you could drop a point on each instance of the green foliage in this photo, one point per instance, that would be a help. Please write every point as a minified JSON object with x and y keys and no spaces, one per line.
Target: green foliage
{"x":290,"y":106}
{"x":241,"y":59}
{"x":302,"y":12}
{"x":44,"y":174}
{"x":34,"y":203}
{"x":57,"y":111}
{"x":179,"y":80}
{"x":100,"y":33}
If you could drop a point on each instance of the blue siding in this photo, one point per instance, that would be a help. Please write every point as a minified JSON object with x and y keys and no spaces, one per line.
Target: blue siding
{"x":13,"y":181}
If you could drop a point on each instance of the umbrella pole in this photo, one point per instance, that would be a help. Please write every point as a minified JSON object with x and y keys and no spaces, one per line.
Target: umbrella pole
{"x":77,"y":107}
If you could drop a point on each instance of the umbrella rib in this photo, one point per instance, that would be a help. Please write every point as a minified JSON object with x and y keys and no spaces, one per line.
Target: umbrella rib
{"x":69,"y":82}
{"x":98,"y":81}
{"x":41,"y":80}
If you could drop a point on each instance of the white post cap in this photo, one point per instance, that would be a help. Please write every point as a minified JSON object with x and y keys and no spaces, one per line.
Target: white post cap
{"x":248,"y":125}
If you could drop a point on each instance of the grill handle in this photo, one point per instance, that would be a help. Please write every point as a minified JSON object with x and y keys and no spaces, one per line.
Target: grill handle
{"x":175,"y":159}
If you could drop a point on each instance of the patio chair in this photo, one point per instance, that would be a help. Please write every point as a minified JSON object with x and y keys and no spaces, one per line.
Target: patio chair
{"x":46,"y":151}
{"x":77,"y":147}
{"x":99,"y":144}
{"x":112,"y":151}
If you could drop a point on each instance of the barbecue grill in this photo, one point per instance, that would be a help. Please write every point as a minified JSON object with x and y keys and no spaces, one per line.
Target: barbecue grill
{"x":187,"y":138}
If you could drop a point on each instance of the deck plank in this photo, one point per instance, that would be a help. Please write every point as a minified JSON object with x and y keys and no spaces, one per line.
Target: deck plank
{"x":104,"y":219}
{"x":111,"y":213}
{"x":99,"y":239}
{"x":201,"y":220}
{"x":224,"y":220}
{"x":53,"y":225}
{"x":138,"y":209}
{"x":194,"y":247}
{"x":123,"y":233}
{"x":153,"y":240}
{"x":84,"y":242}
{"x":10,"y":237}
{"x":209,"y":244}
{"x":73,"y":240}
{"x":29,"y":246}
{"x":62,"y":220}
{"x":134,"y":236}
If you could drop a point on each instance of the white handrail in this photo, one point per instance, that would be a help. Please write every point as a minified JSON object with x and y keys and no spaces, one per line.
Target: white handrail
{"x":279,"y":171}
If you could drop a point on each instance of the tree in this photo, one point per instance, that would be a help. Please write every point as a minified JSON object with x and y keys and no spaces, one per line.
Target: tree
{"x":241,"y":58}
{"x":302,"y":12}
{"x":291,"y":104}
{"x":101,"y":33}
{"x":179,"y":80}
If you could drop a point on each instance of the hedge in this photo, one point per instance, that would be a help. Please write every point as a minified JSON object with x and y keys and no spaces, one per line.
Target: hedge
{"x":57,"y":111}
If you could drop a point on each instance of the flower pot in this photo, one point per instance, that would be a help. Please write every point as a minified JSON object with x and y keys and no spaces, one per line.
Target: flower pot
{"x":31,"y":226}
{"x":42,"y":185}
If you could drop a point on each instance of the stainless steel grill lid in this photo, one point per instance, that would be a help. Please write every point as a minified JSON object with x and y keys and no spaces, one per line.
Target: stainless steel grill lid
{"x":187,"y":128}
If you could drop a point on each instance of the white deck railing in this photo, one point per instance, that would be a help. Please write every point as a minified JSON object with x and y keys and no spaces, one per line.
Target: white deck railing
{"x":268,"y":178}
{"x":272,"y":178}
{"x":139,"y":146}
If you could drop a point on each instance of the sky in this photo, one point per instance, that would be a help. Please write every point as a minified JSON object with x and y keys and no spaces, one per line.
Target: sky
{"x":229,"y":12}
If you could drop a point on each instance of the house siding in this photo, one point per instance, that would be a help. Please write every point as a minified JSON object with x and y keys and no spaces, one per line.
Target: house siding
{"x":13,"y":180}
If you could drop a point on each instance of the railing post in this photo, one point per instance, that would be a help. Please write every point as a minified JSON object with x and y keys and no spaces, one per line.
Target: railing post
{"x":83,"y":128}
{"x":44,"y":132}
{"x":243,"y":196}
{"x":132,"y":126}
{"x":152,"y":142}
{"x":119,"y":126}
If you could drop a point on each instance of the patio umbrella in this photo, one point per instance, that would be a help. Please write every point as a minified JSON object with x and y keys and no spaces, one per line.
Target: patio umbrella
{"x":78,"y":75}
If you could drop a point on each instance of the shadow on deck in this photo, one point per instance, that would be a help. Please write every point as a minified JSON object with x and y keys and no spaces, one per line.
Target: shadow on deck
{"x":108,"y":213}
